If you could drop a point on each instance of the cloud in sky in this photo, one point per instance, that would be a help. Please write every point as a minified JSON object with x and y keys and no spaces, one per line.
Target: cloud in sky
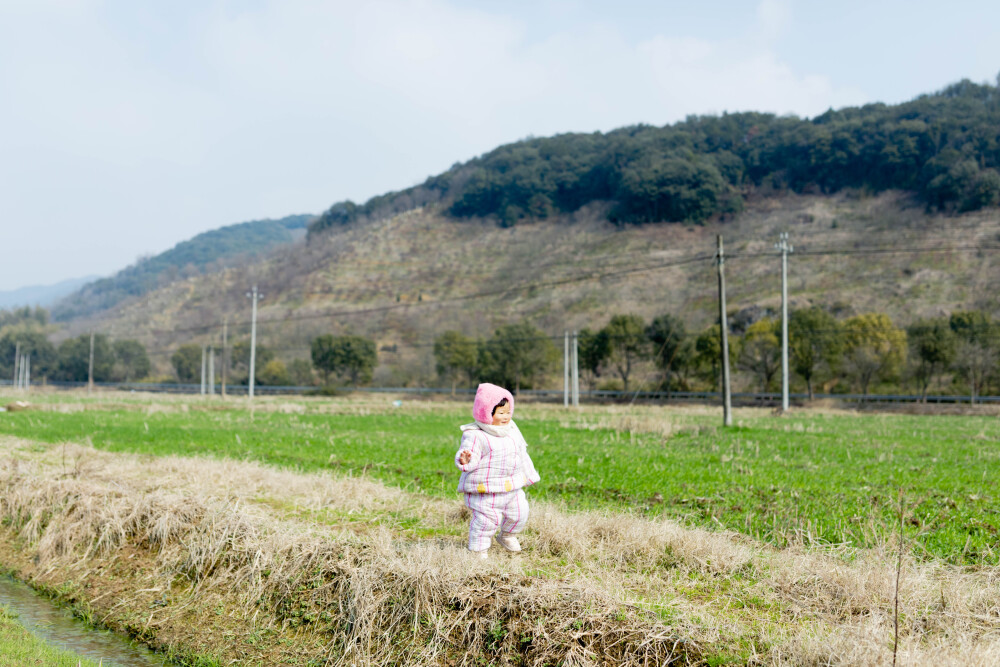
{"x":128,"y":127}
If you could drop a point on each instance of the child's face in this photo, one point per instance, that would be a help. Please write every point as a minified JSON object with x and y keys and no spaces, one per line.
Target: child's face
{"x":501,"y":416}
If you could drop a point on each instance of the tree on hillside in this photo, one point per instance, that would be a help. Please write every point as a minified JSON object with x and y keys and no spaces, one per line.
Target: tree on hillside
{"x":456,"y":355}
{"x":187,"y":363}
{"x":131,"y":360}
{"x":516,"y":356}
{"x":932,"y":350}
{"x":760,"y":352}
{"x":671,"y":349}
{"x":673,"y":187}
{"x":873,"y":349}
{"x":627,"y":344}
{"x":813,"y":343}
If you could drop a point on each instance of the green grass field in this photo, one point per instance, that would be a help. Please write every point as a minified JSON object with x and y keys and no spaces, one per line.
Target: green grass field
{"x":805,"y":478}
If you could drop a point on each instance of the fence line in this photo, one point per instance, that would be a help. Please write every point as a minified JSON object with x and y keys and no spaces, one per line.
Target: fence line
{"x":594,"y":395}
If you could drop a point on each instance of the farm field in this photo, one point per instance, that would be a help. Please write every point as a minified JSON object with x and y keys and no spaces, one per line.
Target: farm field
{"x":813,"y":477}
{"x":316,"y":533}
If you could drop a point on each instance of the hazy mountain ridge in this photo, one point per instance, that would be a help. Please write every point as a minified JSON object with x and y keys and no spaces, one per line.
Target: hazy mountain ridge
{"x":42,"y":295}
{"x":205,"y":253}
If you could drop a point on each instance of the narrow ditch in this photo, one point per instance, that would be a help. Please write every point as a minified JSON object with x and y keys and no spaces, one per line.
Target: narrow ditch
{"x":57,"y":626}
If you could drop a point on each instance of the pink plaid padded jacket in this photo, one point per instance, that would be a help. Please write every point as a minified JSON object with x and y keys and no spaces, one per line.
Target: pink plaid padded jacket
{"x":498,"y":463}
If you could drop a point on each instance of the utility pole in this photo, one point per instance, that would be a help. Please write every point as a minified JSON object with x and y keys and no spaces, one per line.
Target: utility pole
{"x":783,"y":246}
{"x":566,"y":369}
{"x":27,"y":371}
{"x":225,"y":327}
{"x":211,"y":371}
{"x":17,"y":361}
{"x":727,"y":399}
{"x":203,"y":360}
{"x":576,"y":370}
{"x":90,"y":367}
{"x":253,"y":336}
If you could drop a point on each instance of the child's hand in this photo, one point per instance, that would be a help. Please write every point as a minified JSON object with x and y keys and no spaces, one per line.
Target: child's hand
{"x":465,"y":456}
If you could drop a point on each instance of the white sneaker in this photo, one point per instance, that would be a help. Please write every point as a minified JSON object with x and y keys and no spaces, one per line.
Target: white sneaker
{"x":482,"y":555}
{"x":508,"y":542}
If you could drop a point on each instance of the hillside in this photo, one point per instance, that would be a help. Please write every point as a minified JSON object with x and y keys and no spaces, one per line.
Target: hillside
{"x":406,"y":278}
{"x":944,"y":147}
{"x":205,"y":253}
{"x":890,"y":209}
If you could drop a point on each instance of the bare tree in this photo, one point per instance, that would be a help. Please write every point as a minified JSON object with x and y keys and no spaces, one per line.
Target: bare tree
{"x":974,"y":362}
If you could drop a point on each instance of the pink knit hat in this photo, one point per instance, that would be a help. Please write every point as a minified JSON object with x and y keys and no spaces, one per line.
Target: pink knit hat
{"x":487,"y":397}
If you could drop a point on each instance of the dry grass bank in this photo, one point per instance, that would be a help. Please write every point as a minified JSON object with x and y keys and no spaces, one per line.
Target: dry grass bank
{"x":254,"y":565}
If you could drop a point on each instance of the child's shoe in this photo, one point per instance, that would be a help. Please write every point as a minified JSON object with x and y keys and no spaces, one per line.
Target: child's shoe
{"x":508,"y":542}
{"x":482,"y":555}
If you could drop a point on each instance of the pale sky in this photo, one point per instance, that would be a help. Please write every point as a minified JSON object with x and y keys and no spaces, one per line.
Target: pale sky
{"x":127,"y":126}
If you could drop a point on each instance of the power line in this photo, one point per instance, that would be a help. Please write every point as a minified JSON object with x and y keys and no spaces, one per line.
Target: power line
{"x":612,"y":273}
{"x":584,"y":278}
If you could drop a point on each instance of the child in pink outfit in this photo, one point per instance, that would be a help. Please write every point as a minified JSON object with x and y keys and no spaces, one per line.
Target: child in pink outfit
{"x":495,"y":465}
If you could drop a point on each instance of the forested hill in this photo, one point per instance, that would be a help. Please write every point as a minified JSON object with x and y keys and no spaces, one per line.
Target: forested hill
{"x":204,"y":253}
{"x":945,"y":147}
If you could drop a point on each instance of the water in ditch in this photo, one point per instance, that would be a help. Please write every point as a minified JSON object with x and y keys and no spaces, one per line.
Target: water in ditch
{"x":57,"y":626}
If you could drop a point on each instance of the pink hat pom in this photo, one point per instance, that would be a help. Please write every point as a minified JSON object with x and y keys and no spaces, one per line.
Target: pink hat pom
{"x":487,"y":397}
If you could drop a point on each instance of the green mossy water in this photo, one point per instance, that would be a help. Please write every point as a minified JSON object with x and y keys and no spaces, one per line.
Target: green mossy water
{"x":18,"y":647}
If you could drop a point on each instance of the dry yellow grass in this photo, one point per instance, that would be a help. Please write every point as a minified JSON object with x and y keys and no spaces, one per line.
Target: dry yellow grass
{"x":349,"y":571}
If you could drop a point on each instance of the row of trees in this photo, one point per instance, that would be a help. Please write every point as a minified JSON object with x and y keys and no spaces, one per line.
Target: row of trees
{"x":350,"y":358}
{"x":959,"y":353}
{"x":516,"y":356}
{"x":118,"y":361}
{"x":520,"y":356}
{"x":869,"y":349}
{"x":944,"y":147}
{"x":856,"y":354}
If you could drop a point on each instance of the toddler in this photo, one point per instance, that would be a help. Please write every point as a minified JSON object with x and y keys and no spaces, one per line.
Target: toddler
{"x":495,"y":465}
